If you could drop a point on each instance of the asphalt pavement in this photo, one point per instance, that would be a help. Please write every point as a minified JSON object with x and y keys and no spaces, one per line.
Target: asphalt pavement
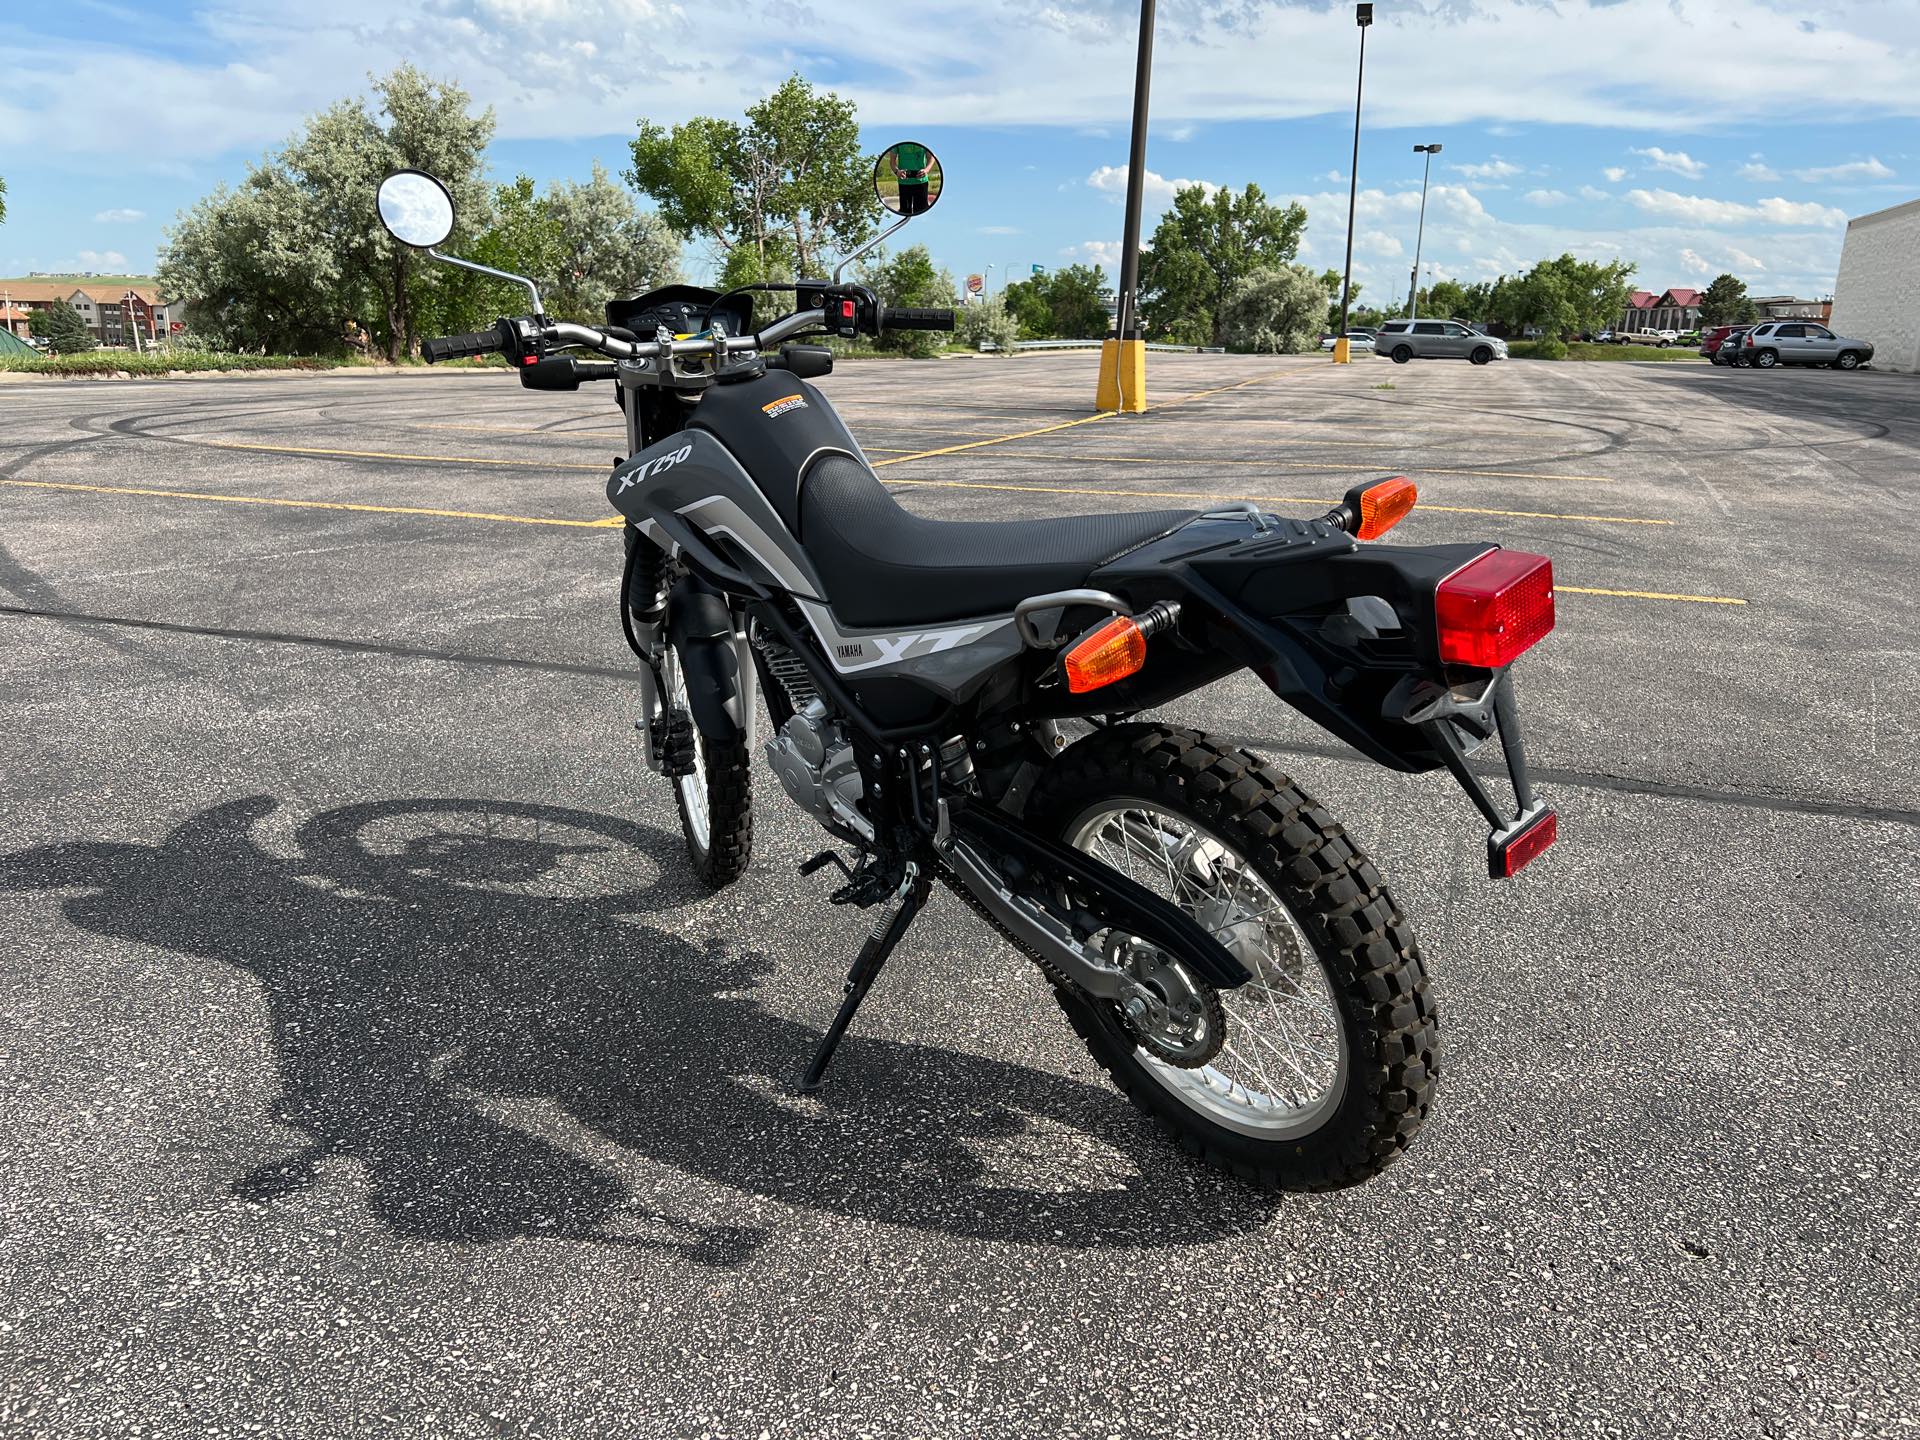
{"x":373,"y":1066}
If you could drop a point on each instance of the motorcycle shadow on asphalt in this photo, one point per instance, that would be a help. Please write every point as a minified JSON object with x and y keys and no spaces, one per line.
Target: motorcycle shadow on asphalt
{"x":427,"y":962}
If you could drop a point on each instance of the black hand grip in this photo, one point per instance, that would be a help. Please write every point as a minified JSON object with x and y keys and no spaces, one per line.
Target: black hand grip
{"x":914,"y":319}
{"x":456,"y":347}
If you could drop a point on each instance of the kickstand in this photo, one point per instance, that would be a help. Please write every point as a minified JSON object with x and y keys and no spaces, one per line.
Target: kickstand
{"x":886,"y":934}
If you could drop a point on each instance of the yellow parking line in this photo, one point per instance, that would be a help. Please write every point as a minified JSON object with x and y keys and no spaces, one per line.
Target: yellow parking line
{"x":999,"y":440}
{"x":1275,"y":466}
{"x":1648,"y":595}
{"x":300,"y":504}
{"x":1213,"y":498}
{"x":616,"y":520}
{"x":391,"y":455}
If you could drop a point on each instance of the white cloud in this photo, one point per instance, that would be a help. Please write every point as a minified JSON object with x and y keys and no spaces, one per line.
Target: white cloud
{"x":1678,"y":161}
{"x":1742,"y":260}
{"x":1701,"y":210}
{"x":107,"y":261}
{"x":1595,"y":193}
{"x":1104,"y":253}
{"x":1111,"y":181}
{"x":997,"y":230}
{"x":1378,"y":242}
{"x":1547,"y":197}
{"x":1695,"y":263}
{"x":1758,"y":169}
{"x":1615,"y":173}
{"x":1868,"y":169}
{"x":1494,"y":169}
{"x":120,"y":217}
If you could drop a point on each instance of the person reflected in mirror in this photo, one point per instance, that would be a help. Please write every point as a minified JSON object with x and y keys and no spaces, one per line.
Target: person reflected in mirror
{"x":912,"y":169}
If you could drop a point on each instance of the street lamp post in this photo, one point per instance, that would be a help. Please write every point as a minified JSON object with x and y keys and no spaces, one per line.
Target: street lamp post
{"x":1413,"y":291}
{"x":1342,"y":351}
{"x":1123,"y":355}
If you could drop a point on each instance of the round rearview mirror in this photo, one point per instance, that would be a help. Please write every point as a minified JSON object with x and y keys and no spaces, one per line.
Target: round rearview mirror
{"x":416,"y":208}
{"x":907,"y":178}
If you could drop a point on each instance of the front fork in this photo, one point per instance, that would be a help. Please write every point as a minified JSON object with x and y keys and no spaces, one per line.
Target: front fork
{"x":648,"y":592}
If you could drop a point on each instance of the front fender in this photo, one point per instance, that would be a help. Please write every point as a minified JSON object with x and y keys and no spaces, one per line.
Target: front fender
{"x":700,"y":627}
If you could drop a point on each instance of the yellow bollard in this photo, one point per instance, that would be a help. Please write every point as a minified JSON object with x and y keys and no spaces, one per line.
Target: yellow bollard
{"x":1343,"y":351}
{"x":1123,"y":376}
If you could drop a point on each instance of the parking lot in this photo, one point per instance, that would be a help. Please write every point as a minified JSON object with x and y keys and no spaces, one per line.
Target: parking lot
{"x":373,"y":1066}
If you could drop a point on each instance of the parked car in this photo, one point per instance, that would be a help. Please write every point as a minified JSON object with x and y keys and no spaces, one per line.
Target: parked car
{"x":1722,"y":343}
{"x":1662,"y":338}
{"x":1802,"y":342}
{"x":1404,"y":340}
{"x":1604,"y":337}
{"x":1356,"y":340}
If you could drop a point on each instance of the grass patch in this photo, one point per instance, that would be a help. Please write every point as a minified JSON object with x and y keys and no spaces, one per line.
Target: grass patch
{"x":1531,"y":350}
{"x":1386,"y":385}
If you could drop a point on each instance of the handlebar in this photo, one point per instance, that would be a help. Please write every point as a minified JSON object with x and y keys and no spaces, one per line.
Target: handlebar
{"x":527,"y":338}
{"x":892,"y":318}
{"x":459,"y":347}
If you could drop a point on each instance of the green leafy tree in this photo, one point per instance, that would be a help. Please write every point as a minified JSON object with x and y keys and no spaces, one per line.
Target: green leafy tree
{"x":910,"y":279}
{"x":1446,"y":299}
{"x":1275,"y":310}
{"x":785,"y":186}
{"x":1027,"y":303}
{"x":989,"y":322}
{"x":1330,"y":282}
{"x":1725,"y":303}
{"x":1202,"y":248}
{"x":584,"y":243}
{"x":3,"y":200}
{"x":60,"y":325}
{"x":295,"y":258}
{"x":1565,"y":296}
{"x":1476,"y":300}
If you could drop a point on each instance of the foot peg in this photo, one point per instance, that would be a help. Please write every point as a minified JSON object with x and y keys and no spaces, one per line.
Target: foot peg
{"x":866,"y":886}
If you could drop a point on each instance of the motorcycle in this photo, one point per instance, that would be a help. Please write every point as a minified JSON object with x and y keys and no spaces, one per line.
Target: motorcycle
{"x":961,"y":703}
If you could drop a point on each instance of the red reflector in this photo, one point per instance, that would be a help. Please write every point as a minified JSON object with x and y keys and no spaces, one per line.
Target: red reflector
{"x":1493,"y":609}
{"x":530,"y":360}
{"x":1507,"y":858}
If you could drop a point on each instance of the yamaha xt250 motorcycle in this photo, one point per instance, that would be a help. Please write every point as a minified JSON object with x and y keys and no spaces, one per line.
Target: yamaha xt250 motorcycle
{"x":957,"y":702}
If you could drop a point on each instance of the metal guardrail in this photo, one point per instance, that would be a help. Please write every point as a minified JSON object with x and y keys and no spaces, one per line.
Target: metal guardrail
{"x":986,"y":345}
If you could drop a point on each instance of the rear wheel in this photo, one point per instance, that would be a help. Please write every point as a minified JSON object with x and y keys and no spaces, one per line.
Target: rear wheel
{"x":1402,"y":354}
{"x":1767,"y":359}
{"x":1328,"y":1062}
{"x":711,"y":783}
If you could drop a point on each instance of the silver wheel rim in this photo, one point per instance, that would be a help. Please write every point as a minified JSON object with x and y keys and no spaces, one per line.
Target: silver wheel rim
{"x":1285,"y":1063}
{"x":692,"y":789}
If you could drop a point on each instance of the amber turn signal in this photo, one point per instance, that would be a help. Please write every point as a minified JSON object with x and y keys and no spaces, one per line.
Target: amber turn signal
{"x":1104,"y":655}
{"x":1385,"y":505}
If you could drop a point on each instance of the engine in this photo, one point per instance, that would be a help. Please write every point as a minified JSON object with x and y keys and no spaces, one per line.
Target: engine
{"x":810,"y":754}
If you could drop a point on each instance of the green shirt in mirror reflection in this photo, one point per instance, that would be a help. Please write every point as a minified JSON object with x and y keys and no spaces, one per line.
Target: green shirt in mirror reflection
{"x":910,"y":164}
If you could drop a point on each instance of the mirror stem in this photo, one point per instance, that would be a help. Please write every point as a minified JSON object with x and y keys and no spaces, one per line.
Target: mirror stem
{"x":849,"y":259}
{"x":538,"y":312}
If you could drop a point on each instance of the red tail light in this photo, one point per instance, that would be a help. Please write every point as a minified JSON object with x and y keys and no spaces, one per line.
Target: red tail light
{"x":1494,"y":609}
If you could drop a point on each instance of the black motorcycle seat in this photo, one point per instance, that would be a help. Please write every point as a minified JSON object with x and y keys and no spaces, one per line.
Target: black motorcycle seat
{"x":884,"y":565}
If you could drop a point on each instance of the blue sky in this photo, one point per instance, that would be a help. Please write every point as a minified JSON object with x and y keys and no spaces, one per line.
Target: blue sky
{"x":1691,"y":136}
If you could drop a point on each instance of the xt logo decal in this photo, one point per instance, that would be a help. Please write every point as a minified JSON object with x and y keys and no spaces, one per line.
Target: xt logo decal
{"x":863,"y":652}
{"x":653,"y":467}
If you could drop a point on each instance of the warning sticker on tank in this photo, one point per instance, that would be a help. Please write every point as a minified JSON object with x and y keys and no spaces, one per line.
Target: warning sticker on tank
{"x":776,"y":408}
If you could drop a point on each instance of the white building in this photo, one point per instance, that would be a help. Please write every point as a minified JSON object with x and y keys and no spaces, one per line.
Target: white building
{"x":1877,"y":297}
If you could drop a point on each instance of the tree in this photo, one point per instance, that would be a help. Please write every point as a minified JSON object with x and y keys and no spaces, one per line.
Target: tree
{"x":295,"y":256}
{"x":1274,"y":311}
{"x":1204,"y":246}
{"x":910,"y":279}
{"x":584,"y":243}
{"x":60,"y":325}
{"x":1446,"y":300}
{"x":1725,"y":303}
{"x":1564,"y":296}
{"x":988,"y":322}
{"x":3,"y":200}
{"x":771,"y":195}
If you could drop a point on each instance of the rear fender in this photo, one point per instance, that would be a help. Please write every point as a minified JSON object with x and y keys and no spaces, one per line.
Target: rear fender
{"x":1343,"y":632}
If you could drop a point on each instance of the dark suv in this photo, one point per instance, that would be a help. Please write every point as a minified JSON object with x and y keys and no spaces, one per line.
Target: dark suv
{"x":1721,"y":344}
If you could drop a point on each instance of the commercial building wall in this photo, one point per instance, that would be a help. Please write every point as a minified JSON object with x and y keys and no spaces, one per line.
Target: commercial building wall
{"x":1877,"y":297}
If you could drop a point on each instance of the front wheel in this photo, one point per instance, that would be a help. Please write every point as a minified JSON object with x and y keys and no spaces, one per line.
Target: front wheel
{"x":711,"y":783}
{"x":1848,"y":360}
{"x":1481,"y":355}
{"x":1328,"y":1062}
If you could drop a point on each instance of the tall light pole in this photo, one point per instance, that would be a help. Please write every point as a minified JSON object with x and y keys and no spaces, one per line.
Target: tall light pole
{"x":1123,"y":356}
{"x":1413,"y":291}
{"x":1342,"y":351}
